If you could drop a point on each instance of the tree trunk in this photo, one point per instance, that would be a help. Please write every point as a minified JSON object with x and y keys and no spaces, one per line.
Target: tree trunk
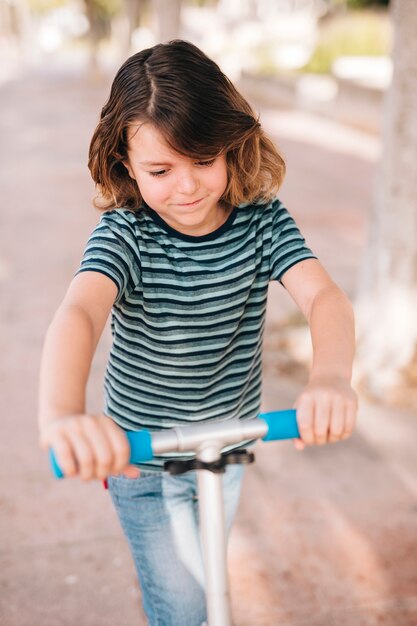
{"x":95,"y":34}
{"x":16,"y":28}
{"x":387,"y":299}
{"x":124,"y":24}
{"x":168,"y":13}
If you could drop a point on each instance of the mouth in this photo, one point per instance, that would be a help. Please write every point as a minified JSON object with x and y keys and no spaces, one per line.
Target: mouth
{"x":191,"y":203}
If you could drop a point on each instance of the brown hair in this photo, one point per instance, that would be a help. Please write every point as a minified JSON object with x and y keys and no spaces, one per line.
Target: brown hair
{"x":200,"y":113}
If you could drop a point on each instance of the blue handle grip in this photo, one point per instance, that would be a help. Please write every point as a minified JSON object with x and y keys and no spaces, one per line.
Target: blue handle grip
{"x":140,"y":450}
{"x":56,"y":470}
{"x":140,"y":446}
{"x":281,"y":425}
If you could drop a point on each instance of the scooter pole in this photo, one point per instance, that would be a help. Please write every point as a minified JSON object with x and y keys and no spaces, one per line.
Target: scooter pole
{"x":207,"y":441}
{"x":213,"y":537}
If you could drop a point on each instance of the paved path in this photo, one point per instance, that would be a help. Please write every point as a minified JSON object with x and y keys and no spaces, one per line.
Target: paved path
{"x":326,"y":537}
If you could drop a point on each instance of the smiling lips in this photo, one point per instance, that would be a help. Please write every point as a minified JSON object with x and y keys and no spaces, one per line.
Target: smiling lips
{"x":191,"y":203}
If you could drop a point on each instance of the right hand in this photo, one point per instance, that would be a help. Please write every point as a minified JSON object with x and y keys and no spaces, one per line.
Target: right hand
{"x":91,"y":446}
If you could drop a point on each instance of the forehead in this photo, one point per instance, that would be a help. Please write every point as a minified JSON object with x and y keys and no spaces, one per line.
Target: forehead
{"x":147,"y":143}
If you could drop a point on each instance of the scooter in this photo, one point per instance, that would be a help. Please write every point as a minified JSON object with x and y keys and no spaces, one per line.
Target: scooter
{"x":207,"y":442}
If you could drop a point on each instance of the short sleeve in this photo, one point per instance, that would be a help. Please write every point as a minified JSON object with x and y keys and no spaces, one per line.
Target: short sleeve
{"x":112,"y":250}
{"x":288,"y":246}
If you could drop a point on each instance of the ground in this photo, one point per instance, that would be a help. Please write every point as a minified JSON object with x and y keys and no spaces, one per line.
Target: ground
{"x":324,"y":537}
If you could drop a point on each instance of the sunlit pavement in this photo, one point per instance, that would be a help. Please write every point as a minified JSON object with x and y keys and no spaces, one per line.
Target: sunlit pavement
{"x":325,"y":537}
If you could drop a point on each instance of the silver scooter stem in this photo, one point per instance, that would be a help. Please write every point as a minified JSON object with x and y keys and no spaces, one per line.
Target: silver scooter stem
{"x":207,"y":441}
{"x":214,"y":536}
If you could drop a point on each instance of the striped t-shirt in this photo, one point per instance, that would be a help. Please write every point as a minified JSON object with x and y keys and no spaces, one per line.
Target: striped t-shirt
{"x":188,"y":319}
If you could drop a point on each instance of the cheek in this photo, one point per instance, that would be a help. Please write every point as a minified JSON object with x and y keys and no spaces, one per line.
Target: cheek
{"x":220,"y":178}
{"x":152,"y":189}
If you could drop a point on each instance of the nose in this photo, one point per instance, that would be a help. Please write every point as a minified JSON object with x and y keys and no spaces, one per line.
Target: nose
{"x":187,"y":181}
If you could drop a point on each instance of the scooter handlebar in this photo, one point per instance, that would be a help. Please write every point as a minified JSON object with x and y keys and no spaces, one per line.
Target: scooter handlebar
{"x":280,"y":425}
{"x":140,"y":442}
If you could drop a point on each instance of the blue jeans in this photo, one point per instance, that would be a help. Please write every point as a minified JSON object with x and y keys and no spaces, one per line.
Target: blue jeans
{"x":159,"y":516}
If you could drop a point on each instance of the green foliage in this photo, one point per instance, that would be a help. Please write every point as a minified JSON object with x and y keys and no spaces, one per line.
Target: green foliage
{"x":357,"y":33}
{"x":106,"y":9}
{"x":103,"y":9}
{"x":203,"y":3}
{"x":363,"y":4}
{"x":43,"y":6}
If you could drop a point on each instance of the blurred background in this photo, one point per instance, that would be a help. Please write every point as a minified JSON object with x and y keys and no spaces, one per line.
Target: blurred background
{"x":338,"y":38}
{"x":326,"y":537}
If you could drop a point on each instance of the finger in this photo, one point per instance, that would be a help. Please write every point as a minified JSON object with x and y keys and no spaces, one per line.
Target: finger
{"x":321,"y":419}
{"x":83,"y":454}
{"x":119,"y":444}
{"x":305,"y":418}
{"x":51,"y":433}
{"x":99,"y":443}
{"x":298,"y":444}
{"x":65,"y":456}
{"x":337,"y":419}
{"x":131,"y":472}
{"x":350,"y":419}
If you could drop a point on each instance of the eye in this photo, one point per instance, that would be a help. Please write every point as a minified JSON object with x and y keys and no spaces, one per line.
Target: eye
{"x":160,"y":173}
{"x":206,"y":163}
{"x":201,"y":163}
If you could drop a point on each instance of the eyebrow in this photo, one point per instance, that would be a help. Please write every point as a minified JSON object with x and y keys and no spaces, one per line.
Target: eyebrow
{"x":152,"y":163}
{"x":155,"y":164}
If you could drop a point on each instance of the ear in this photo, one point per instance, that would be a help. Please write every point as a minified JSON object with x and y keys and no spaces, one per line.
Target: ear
{"x":125,"y":162}
{"x":129,"y":168}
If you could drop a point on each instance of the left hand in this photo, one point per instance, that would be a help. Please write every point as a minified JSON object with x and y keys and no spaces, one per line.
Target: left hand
{"x":326,"y":411}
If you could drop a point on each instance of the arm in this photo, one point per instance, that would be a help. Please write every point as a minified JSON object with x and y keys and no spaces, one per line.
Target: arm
{"x":327,"y":407}
{"x":92,"y":446}
{"x":68,"y":351}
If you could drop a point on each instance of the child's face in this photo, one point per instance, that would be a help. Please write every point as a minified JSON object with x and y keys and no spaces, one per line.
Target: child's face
{"x":184,"y":192}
